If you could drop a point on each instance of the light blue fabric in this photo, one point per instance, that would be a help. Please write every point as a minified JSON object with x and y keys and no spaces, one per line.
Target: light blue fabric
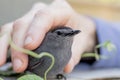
{"x":108,"y":31}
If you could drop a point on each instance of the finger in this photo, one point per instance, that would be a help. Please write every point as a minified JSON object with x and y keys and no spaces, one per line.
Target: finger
{"x":61,"y":11}
{"x":55,"y":15}
{"x":69,"y":67}
{"x":42,"y":22}
{"x":78,"y":49}
{"x":19,"y":59}
{"x":4,"y":41}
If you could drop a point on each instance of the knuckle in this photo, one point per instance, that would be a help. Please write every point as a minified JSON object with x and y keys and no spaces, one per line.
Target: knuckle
{"x":18,"y":24}
{"x":42,"y":13}
{"x":45,"y":15}
{"x":6,"y":27}
{"x":39,"y":5}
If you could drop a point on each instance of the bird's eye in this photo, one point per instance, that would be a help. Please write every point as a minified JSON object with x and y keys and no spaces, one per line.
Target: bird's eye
{"x":59,"y":33}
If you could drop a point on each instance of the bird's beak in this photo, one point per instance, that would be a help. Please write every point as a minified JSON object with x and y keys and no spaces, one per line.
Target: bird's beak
{"x":74,"y":32}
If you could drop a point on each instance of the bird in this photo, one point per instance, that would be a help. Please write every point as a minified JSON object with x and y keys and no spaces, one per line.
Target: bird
{"x":57,"y":42}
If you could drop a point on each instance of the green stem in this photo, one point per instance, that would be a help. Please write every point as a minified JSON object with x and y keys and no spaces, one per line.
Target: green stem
{"x":52,"y":64}
{"x":88,"y":55}
{"x":95,"y":54}
{"x":33,"y":54}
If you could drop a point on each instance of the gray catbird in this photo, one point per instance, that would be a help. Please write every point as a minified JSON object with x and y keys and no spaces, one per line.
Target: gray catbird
{"x":57,"y":42}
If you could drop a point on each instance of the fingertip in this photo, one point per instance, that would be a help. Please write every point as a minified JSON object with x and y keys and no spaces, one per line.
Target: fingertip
{"x":33,"y":40}
{"x":19,"y":61}
{"x":39,"y":6}
{"x":2,"y":61}
{"x":19,"y":65}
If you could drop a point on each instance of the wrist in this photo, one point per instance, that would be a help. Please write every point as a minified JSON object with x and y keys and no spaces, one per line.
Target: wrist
{"x":88,"y":32}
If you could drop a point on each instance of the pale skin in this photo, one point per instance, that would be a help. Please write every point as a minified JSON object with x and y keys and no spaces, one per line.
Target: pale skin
{"x":29,"y":31}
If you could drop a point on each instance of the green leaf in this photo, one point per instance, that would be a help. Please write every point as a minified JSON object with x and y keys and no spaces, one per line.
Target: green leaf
{"x":8,"y":73}
{"x":108,"y":45}
{"x":99,"y":45}
{"x":111,"y":47}
{"x":30,"y":77}
{"x":103,"y":44}
{"x":1,"y":79}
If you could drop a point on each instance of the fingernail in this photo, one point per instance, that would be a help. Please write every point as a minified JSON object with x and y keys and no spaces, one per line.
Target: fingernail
{"x":28,"y":40}
{"x":17,"y":63}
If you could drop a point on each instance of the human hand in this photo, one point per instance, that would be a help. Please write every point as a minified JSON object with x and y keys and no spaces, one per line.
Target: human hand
{"x":29,"y":31}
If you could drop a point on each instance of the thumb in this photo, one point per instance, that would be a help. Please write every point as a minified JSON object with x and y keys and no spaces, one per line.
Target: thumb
{"x":69,"y":67}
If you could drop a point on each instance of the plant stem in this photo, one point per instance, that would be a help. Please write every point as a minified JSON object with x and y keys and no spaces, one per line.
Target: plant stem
{"x":95,"y":54}
{"x":35,"y":55}
{"x":52,"y":64}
